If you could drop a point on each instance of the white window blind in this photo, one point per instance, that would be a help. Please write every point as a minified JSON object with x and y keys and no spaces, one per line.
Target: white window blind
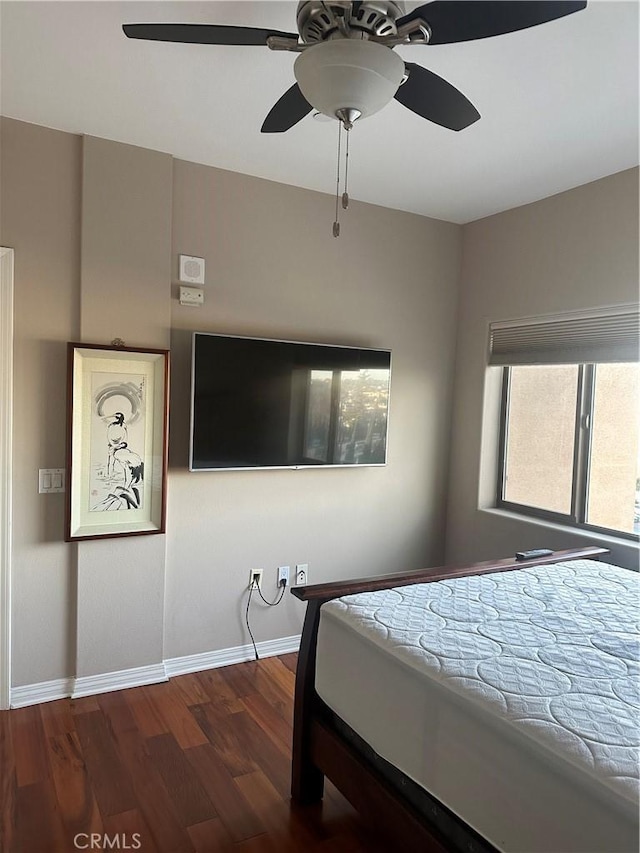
{"x":606,"y":335}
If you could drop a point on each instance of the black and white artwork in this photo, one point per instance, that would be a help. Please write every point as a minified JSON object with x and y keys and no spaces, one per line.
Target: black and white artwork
{"x":117,"y":436}
{"x":117,"y":442}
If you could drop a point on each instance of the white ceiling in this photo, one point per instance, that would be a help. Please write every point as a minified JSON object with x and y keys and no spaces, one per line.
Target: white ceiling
{"x":559,"y":102}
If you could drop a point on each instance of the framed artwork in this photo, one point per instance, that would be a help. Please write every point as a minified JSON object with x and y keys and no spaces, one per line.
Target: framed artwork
{"x":117,"y":431}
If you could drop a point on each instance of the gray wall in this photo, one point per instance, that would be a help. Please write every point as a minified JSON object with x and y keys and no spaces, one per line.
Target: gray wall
{"x":273,"y":269}
{"x":125,"y":287}
{"x":40,"y":219}
{"x":576,"y":250}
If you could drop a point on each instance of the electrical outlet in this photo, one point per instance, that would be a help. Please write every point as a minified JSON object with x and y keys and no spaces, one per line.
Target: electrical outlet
{"x":302,"y":574}
{"x":255,"y":578}
{"x":283,"y":575}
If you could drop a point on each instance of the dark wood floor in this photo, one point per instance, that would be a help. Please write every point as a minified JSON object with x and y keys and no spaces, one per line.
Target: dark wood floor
{"x":199,"y":764}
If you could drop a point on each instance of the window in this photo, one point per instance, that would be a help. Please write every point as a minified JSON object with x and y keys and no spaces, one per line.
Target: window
{"x":570,"y":441}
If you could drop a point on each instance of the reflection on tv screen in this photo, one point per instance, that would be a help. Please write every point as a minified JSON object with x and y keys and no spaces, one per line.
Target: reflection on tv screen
{"x":346,"y":416}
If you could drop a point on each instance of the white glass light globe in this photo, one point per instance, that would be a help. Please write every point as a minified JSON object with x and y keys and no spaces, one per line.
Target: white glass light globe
{"x":348,"y":74}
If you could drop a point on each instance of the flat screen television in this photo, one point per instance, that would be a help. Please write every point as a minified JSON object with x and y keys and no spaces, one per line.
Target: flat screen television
{"x":259,"y":403}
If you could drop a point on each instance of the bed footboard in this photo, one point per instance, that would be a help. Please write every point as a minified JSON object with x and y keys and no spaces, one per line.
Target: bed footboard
{"x":318,"y":746}
{"x":307,"y":780}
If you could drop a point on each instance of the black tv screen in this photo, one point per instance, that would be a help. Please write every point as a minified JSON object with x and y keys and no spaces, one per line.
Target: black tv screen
{"x":280,"y":404}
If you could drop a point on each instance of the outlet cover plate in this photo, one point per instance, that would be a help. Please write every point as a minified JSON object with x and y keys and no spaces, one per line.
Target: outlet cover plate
{"x":252,"y":574}
{"x":283,"y":574}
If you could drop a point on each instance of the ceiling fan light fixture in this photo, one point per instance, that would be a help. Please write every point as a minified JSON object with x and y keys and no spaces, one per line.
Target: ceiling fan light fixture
{"x":348,"y":74}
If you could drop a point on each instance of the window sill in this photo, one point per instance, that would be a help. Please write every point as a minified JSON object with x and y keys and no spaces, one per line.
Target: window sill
{"x":590,"y":536}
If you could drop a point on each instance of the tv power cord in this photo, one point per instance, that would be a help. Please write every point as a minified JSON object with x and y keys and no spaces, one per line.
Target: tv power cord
{"x":254,"y":586}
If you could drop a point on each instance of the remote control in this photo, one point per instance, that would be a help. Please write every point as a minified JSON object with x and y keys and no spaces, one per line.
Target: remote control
{"x":533,"y":555}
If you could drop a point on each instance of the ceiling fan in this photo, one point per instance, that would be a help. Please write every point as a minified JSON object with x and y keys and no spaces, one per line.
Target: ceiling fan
{"x":347,"y":68}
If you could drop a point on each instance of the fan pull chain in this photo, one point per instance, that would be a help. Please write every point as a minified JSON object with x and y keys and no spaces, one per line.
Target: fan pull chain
{"x":345,"y":194}
{"x":344,"y":198}
{"x":336,"y":224}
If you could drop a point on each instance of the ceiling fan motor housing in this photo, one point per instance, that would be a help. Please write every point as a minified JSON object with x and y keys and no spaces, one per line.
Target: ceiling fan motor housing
{"x":344,"y":75}
{"x":319,"y":20}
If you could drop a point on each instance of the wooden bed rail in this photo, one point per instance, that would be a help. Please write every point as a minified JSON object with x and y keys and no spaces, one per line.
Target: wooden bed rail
{"x":336,"y":589}
{"x":307,"y":781}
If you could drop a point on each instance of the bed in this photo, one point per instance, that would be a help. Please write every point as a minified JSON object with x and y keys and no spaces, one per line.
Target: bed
{"x":478,"y":708}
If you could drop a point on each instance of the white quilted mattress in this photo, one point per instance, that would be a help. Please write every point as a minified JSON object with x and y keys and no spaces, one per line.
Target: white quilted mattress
{"x":512,"y":697}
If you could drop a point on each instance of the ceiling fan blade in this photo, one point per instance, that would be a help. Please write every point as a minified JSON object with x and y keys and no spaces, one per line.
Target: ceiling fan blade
{"x":202,"y":33}
{"x":464,"y":20}
{"x":289,"y":110}
{"x":433,"y":98}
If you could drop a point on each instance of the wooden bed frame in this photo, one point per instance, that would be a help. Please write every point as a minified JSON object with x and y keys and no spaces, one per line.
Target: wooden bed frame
{"x":320,"y":747}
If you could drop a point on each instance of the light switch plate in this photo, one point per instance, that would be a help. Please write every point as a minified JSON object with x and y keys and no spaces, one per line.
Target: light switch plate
{"x":51,"y":480}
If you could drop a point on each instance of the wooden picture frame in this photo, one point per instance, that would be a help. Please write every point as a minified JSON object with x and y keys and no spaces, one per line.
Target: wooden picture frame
{"x":117,"y":438}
